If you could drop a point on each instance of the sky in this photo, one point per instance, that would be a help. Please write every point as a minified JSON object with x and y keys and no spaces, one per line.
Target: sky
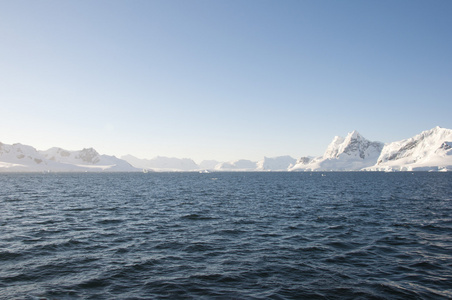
{"x":221,"y":80}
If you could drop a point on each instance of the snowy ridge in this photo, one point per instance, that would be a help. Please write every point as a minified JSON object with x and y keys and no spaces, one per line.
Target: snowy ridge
{"x":18,"y":157}
{"x":241,"y":165}
{"x":280,"y":163}
{"x":431,"y":150}
{"x":87,"y":158}
{"x":162,"y":164}
{"x":208,"y":164}
{"x":351,"y":153}
{"x":23,"y":158}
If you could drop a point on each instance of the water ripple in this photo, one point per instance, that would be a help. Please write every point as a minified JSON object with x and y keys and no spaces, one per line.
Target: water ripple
{"x":226,"y":236}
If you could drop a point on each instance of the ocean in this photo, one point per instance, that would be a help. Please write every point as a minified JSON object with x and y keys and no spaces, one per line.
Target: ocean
{"x":333,"y":235}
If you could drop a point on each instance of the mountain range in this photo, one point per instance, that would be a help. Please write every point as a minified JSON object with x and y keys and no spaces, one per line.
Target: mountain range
{"x":430,"y":150}
{"x":23,"y":158}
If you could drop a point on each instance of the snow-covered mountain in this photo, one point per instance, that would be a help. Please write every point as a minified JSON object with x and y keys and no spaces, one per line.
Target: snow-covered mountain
{"x":161,"y":163}
{"x":87,"y":158}
{"x":18,"y":157}
{"x":430,"y":150}
{"x":23,"y":158}
{"x":280,"y":163}
{"x":351,"y":153}
{"x":208,"y":164}
{"x":241,"y":165}
{"x":168,"y":164}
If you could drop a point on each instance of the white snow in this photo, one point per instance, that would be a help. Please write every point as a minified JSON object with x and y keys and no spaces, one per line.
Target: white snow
{"x":208,"y":164}
{"x":10,"y":165}
{"x":280,"y":163}
{"x":351,"y":153}
{"x":241,"y":165}
{"x":162,"y":163}
{"x":23,"y":158}
{"x":430,"y":150}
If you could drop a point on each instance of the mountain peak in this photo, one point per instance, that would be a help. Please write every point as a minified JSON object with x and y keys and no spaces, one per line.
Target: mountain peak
{"x":354,"y":135}
{"x":89,"y":155}
{"x":430,"y":150}
{"x":353,"y":145}
{"x":353,"y":152}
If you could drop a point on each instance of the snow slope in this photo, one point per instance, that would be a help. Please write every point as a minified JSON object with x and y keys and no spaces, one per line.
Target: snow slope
{"x":241,"y":165}
{"x":351,"y":153}
{"x":208,"y":164}
{"x":431,"y":150}
{"x":23,"y":158}
{"x":280,"y":163}
{"x":161,"y":163}
{"x":88,"y":158}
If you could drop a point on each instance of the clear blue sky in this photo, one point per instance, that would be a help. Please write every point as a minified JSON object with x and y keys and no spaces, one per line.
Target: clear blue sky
{"x":221,"y":79}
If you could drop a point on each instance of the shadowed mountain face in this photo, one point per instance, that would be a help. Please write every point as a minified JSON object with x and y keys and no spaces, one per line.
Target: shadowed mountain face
{"x":353,"y":152}
{"x":429,"y":150}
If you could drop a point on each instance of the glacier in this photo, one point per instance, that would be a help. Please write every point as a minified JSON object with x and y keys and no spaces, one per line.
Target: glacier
{"x":241,"y":165}
{"x":279,"y":163}
{"x":162,"y":163}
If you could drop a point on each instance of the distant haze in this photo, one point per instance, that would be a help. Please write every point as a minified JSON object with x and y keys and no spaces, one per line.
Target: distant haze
{"x":221,"y":80}
{"x":431,"y":150}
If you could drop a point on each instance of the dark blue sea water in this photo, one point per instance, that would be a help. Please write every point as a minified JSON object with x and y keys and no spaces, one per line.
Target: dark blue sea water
{"x":226,"y":236}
